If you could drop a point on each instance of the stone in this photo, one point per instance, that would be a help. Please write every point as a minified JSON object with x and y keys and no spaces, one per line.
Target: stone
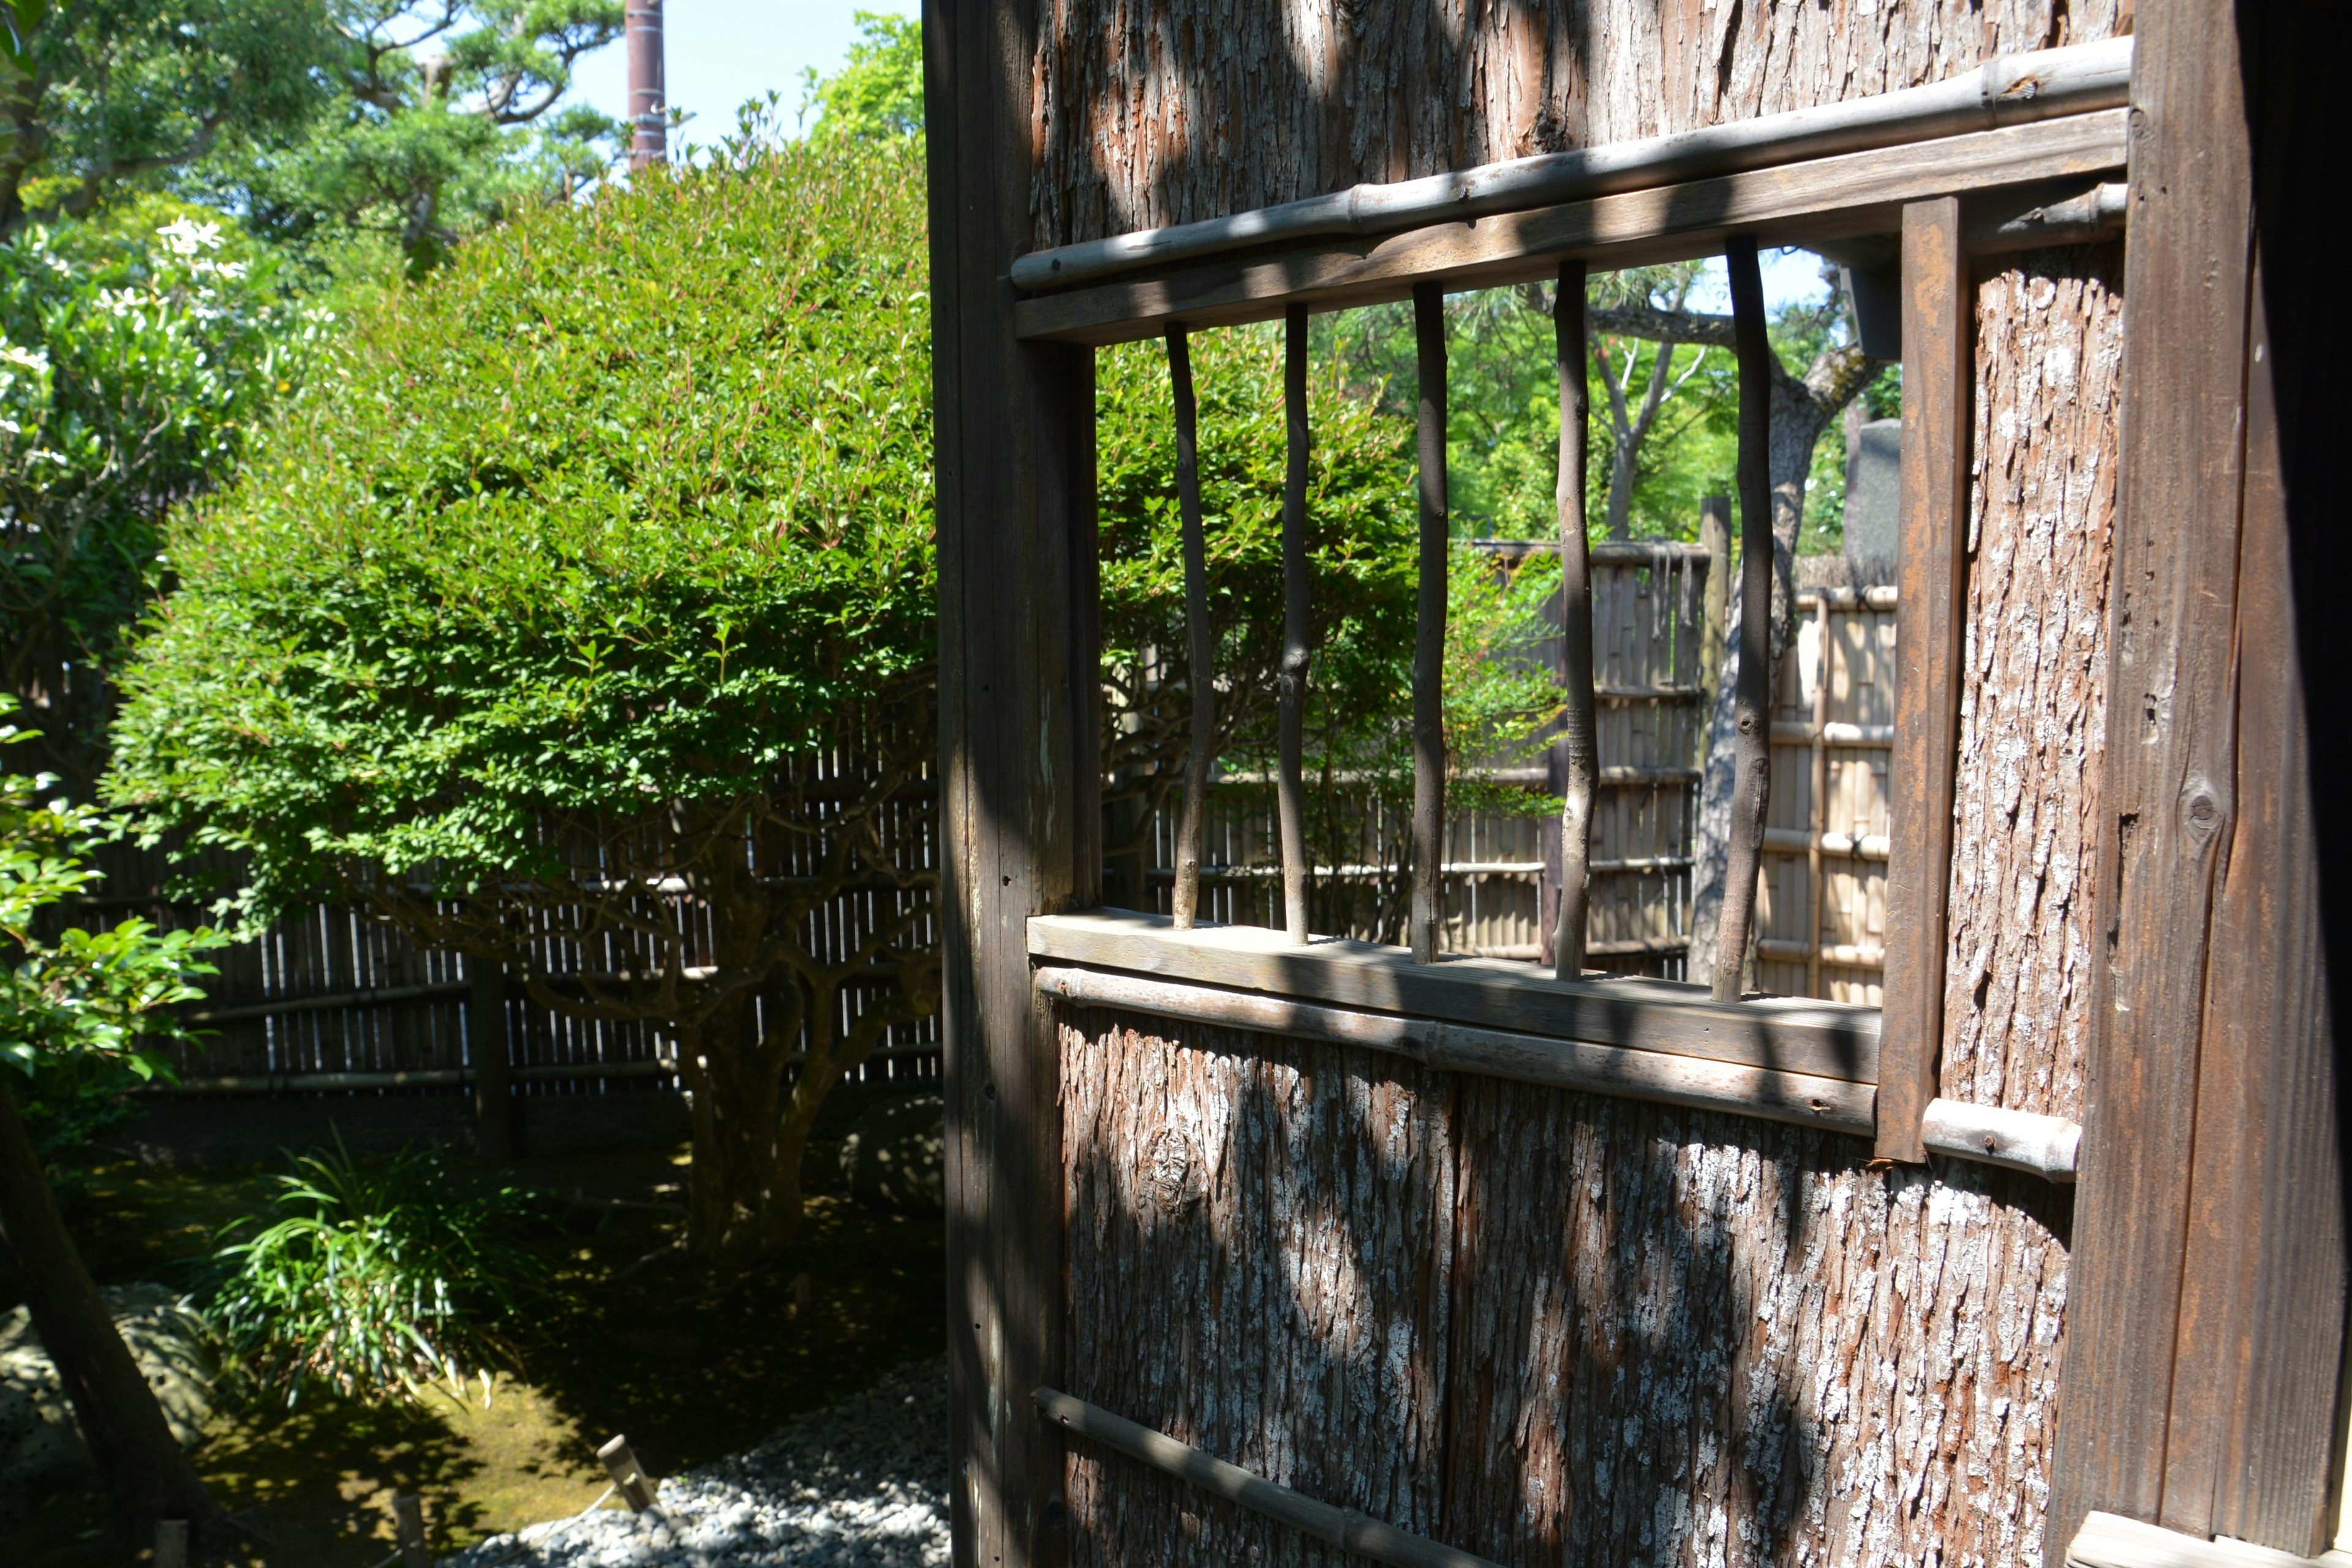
{"x":1874,"y":500}
{"x":895,"y":1155}
{"x":40,"y":1443}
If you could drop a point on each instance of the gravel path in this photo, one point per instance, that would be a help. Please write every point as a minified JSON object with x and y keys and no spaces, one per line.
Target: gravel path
{"x":861,"y":1484}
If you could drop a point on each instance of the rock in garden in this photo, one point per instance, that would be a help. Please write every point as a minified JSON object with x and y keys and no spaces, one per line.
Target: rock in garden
{"x":895,"y":1155}
{"x":41,"y":1446}
{"x":861,"y":1484}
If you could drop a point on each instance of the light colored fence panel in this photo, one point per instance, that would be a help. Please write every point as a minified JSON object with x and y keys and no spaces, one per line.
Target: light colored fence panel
{"x":1821,"y":909}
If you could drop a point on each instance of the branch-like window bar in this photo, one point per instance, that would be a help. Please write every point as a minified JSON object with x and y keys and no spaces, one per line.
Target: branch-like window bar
{"x":2028,"y":161}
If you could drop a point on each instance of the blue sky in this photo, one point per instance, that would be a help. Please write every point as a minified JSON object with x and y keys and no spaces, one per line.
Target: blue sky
{"x":724,"y":51}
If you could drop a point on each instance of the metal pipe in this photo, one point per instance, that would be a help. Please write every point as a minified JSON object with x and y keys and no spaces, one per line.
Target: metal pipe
{"x":648,"y":95}
{"x":2007,"y":89}
{"x":1298,"y":652}
{"x":1428,"y":908}
{"x":1200,"y":644}
{"x":1341,"y":1527}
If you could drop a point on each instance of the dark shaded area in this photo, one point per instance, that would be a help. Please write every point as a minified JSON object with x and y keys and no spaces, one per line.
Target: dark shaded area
{"x":2289,"y":51}
{"x":630,"y":1337}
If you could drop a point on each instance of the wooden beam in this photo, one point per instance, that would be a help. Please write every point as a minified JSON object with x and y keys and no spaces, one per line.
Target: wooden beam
{"x":1577,"y":755}
{"x":1200,"y":641}
{"x":1931,"y":621}
{"x":1827,"y":1040}
{"x":1663,"y":1077}
{"x":1428,"y":908}
{"x":1752,"y":693}
{"x":1810,"y":203}
{"x":1297,"y":629}
{"x":2168,"y":795}
{"x":1018,"y":793}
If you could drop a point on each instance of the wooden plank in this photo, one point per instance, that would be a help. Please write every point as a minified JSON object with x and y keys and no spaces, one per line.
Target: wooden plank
{"x":2170,"y":756}
{"x":2112,"y":1541}
{"x":1771,"y":1094}
{"x":2256,"y":1369}
{"x":1827,"y":1039}
{"x":1809,"y":203}
{"x":1297,"y":629}
{"x":1200,"y":641}
{"x":1931,"y":621}
{"x":1014,"y":458}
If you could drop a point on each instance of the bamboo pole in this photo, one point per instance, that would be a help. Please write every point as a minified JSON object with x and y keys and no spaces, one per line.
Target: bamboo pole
{"x":1429,"y":640}
{"x":1821,"y":782}
{"x":1341,"y":1527}
{"x":1298,"y":652}
{"x":1579,"y":742}
{"x":1201,"y":648}
{"x":1753,"y":786}
{"x":486,"y":1033}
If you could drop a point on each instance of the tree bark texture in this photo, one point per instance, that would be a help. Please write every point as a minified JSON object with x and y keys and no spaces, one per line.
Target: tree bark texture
{"x":1145,"y":115}
{"x":146,"y":1475}
{"x":2034,"y":694}
{"x":1541,"y":1326}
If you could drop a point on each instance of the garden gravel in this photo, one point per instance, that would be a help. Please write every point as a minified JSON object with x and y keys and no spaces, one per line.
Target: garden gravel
{"x":860,"y":1483}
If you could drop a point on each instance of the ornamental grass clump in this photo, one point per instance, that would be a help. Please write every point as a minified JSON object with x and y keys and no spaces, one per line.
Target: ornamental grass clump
{"x":373,"y":1280}
{"x":577,"y":616}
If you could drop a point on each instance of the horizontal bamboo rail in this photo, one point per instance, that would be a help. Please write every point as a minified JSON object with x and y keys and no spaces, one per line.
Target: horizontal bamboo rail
{"x":454,"y":1078}
{"x":2022,"y":1141}
{"x":1341,"y":1527}
{"x":1806,"y":1099}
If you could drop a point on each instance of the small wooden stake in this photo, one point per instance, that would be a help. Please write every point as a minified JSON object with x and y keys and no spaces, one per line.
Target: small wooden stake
{"x":1752,"y":702}
{"x":1200,"y":647}
{"x":1297,"y":651}
{"x":408,"y":1524}
{"x":170,"y":1544}
{"x":629,"y":1478}
{"x":1428,"y":912}
{"x":1579,"y":737}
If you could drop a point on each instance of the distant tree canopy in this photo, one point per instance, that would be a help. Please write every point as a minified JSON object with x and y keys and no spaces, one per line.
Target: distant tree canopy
{"x":877,"y":91}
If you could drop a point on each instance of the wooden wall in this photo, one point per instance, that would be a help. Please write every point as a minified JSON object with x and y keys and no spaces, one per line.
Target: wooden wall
{"x":1542,"y":1326}
{"x":1144,"y":115}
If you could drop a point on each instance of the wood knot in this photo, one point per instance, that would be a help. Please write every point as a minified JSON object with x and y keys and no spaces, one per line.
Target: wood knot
{"x":2201,"y":811}
{"x":1173,"y":1175}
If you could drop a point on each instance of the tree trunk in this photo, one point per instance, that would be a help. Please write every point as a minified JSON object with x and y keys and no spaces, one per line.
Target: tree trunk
{"x":146,"y":1475}
{"x":743,"y":1197}
{"x":1798,"y":417}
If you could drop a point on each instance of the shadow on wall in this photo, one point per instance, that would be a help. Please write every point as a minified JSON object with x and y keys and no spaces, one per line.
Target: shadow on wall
{"x":1543,"y":1327}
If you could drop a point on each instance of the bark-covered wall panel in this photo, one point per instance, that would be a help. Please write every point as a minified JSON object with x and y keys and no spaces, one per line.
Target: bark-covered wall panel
{"x":1155,"y":113}
{"x":1260,"y":1237}
{"x":1552,"y":1328}
{"x":2033,"y":698}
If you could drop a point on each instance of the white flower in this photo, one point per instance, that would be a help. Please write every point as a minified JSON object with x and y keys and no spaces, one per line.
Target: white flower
{"x":31,"y":359}
{"x":187,"y":239}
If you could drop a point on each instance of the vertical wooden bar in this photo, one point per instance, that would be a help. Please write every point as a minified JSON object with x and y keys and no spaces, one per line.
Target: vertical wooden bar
{"x":1580,"y":770}
{"x":1715,"y":607}
{"x":1819,"y":816}
{"x":1752,"y":703}
{"x":1012,"y":455}
{"x":485,"y":1040}
{"x":1297,"y":629}
{"x":1930,"y":619}
{"x":2168,"y":795}
{"x":1200,"y":644}
{"x":1428,"y":912}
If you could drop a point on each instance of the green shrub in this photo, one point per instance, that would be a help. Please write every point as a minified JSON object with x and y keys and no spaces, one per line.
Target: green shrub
{"x":553,"y":590}
{"x":375,"y":1279}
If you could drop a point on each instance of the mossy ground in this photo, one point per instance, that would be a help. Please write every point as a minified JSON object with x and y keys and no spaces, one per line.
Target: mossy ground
{"x":632,"y":1337}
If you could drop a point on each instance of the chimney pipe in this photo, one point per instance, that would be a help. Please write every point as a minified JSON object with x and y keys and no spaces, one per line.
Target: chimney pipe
{"x":648,"y":102}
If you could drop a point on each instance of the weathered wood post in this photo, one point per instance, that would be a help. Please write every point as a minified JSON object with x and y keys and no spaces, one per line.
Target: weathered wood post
{"x":1428,"y":910}
{"x":1019,"y":765}
{"x":1753,"y":741}
{"x":1579,"y":744}
{"x":1200,"y":647}
{"x":1297,"y":629}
